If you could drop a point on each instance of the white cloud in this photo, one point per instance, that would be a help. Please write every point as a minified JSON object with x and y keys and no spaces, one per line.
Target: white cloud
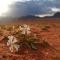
{"x":55,"y":9}
{"x":44,"y":15}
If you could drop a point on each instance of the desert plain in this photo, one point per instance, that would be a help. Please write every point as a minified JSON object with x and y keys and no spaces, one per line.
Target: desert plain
{"x":47,"y":28}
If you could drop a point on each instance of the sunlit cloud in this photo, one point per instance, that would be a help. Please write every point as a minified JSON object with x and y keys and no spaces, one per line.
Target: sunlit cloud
{"x":44,"y":15}
{"x":55,"y":9}
{"x":4,"y":6}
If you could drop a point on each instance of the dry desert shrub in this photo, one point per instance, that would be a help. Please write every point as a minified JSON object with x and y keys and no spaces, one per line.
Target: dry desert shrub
{"x":22,"y":35}
{"x":46,"y":28}
{"x":19,"y":35}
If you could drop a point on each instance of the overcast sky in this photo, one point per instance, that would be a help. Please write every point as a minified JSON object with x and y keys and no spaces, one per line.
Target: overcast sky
{"x":18,"y":8}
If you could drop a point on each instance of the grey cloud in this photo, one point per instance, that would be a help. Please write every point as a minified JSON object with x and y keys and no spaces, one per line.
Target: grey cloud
{"x":19,"y":9}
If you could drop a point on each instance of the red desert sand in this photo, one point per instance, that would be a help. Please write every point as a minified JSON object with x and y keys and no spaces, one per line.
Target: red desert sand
{"x":48,"y":29}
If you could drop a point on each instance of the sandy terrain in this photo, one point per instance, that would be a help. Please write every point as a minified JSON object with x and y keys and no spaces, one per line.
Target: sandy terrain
{"x":49,"y":29}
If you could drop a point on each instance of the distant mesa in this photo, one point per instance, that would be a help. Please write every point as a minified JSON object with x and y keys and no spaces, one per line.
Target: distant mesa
{"x":56,"y":15}
{"x":30,"y":16}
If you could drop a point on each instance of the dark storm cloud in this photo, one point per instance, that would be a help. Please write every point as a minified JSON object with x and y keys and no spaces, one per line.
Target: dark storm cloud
{"x":19,"y":9}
